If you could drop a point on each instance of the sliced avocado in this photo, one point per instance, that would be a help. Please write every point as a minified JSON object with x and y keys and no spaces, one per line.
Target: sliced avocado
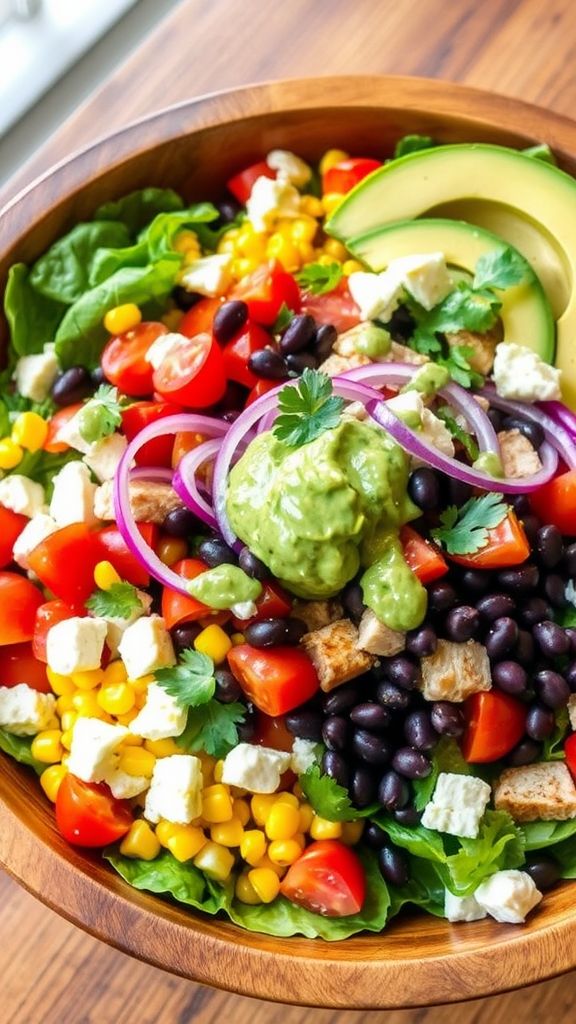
{"x":528,"y":203}
{"x":526,"y":314}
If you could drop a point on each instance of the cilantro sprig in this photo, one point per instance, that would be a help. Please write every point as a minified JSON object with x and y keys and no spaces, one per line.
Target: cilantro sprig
{"x":118,"y":602}
{"x":328,"y":799}
{"x":307,"y":409}
{"x":212,"y":727}
{"x":465,"y":530}
{"x":100,"y":415}
{"x":192,"y":682}
{"x":318,"y":278}
{"x":446,"y":414}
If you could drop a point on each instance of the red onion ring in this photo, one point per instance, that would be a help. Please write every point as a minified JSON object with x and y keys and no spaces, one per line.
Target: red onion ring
{"x":561,"y":414}
{"x":556,"y":435}
{"x":185,"y":484}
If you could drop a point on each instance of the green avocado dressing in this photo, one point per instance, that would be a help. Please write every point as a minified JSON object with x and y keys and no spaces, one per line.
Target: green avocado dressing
{"x":224,"y":586}
{"x":489,"y":462}
{"x":317,"y":514}
{"x":428,"y":380}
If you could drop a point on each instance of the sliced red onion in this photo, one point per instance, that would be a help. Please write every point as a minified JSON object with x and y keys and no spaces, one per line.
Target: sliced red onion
{"x":561,"y":414}
{"x":158,"y":474}
{"x":186,"y":486}
{"x":555,"y":433}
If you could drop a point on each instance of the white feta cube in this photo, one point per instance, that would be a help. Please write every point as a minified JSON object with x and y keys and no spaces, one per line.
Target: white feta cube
{"x":376,"y":295}
{"x":73,"y":496}
{"x":175,"y":792}
{"x":508,"y":896}
{"x":161,"y":717}
{"x":244,"y":609}
{"x":458,"y":805}
{"x":117,"y":626}
{"x":289,"y":167}
{"x":70,"y":434}
{"x":570,"y":593}
{"x":519,"y":373}
{"x":104,"y":456}
{"x":35,"y":375}
{"x":257,"y":769}
{"x":24,"y":711}
{"x":436,"y":433}
{"x":35,"y":531}
{"x":408,"y":407}
{"x":303,"y":756}
{"x":462,"y":908}
{"x":146,"y":646}
{"x":93,"y":749}
{"x":209,"y":275}
{"x":22,"y":495}
{"x":124,"y":786}
{"x":165,"y":345}
{"x":424,"y":276}
{"x":76,"y":645}
{"x":269,"y":200}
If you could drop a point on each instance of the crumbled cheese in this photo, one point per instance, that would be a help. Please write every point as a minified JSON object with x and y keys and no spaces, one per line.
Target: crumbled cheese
{"x":257,"y":769}
{"x":570,"y":593}
{"x":409,"y":407}
{"x":104,"y":456}
{"x":35,"y":531}
{"x":76,"y":645}
{"x":146,"y":646}
{"x":209,"y":275}
{"x":508,"y":896}
{"x":175,"y":792}
{"x":289,"y":167}
{"x":164,"y":345}
{"x":124,"y":786}
{"x":304,"y":755}
{"x":25,"y":712}
{"x":93,"y":749}
{"x":270,"y":200}
{"x":457,"y":806}
{"x":519,"y":373}
{"x":117,"y":625}
{"x":73,"y":496}
{"x":424,"y":276}
{"x":161,"y":717}
{"x":244,"y":609}
{"x":22,"y":495}
{"x":35,"y":375}
{"x":376,"y":295}
{"x":462,"y":908}
{"x":70,"y":434}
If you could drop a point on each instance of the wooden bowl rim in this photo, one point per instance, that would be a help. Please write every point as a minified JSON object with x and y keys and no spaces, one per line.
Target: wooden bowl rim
{"x":353,"y":973}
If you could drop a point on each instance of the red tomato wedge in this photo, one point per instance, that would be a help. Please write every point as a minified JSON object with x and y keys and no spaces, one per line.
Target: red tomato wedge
{"x":18,"y":664}
{"x":494,"y":725}
{"x":555,"y":502}
{"x":237,"y":352}
{"x":11,"y":526}
{"x":327,"y":879}
{"x":158,"y":451}
{"x":507,"y":545}
{"x":423,"y":557}
{"x":272,"y":732}
{"x":56,"y":425}
{"x":266,"y":290}
{"x":275,"y":679}
{"x":200,"y":318}
{"x":88,"y":815}
{"x":259,"y":389}
{"x":274,"y":603}
{"x":348,"y":173}
{"x":19,"y":601}
{"x":123,"y":359}
{"x":115,"y":550}
{"x":64,"y":563}
{"x":570,"y":752}
{"x":241,"y":184}
{"x":176,"y":607}
{"x":336,"y":307}
{"x":48,"y":615}
{"x":192,"y":373}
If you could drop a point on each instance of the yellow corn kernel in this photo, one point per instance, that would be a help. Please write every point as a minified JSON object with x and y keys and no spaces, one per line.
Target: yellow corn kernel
{"x":245,"y":891}
{"x":226,"y":245}
{"x":284,"y":851}
{"x":86,"y":704}
{"x":330,"y":201}
{"x":61,"y":685}
{"x":88,"y":680}
{"x":186,"y":842}
{"x":242,"y":266}
{"x":173,"y":319}
{"x":265,"y":883}
{"x":227,"y":833}
{"x":331,"y":158}
{"x":126,"y":718}
{"x":207,"y":766}
{"x":332,"y":247}
{"x":325,"y":260}
{"x":241,"y":811}
{"x":114,"y":673}
{"x":251,"y":244}
{"x":186,"y":241}
{"x":283,"y":821}
{"x":214,"y":642}
{"x":303,"y":229}
{"x":216,"y":804}
{"x":137,"y":761}
{"x":217,"y":770}
{"x":46,"y":746}
{"x":311,"y":206}
{"x":122,"y":318}
{"x":352,"y":832}
{"x":51,"y":778}
{"x":117,"y":698}
{"x":287,"y":798}
{"x":321,"y":828}
{"x":105,"y":575}
{"x":164,"y":830}
{"x":306,"y":815}
{"x":237,"y":639}
{"x":300,"y":838}
{"x":10,"y":453}
{"x":171,"y":550}
{"x":162,"y":748}
{"x":284,"y":250}
{"x":215,"y":861}
{"x":306,"y":251}
{"x":253,"y":846}
{"x":351,"y":267}
{"x":298,"y":791}
{"x":142,"y":683}
{"x":140,"y":841}
{"x":67,"y":720}
{"x":66,"y":739}
{"x":132,"y":741}
{"x":261,"y":805}
{"x":265,"y":862}
{"x":30,"y":431}
{"x":64,"y":703}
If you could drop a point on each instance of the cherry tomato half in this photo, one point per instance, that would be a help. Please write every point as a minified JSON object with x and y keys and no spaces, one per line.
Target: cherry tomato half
{"x":507,"y":544}
{"x":192,"y":373}
{"x":123,"y":359}
{"x":495,"y":724}
{"x":275,"y":679}
{"x":18,"y":664}
{"x":48,"y":615}
{"x":422,"y":556}
{"x":176,"y":607}
{"x":237,"y":352}
{"x":11,"y":526}
{"x":88,"y":815}
{"x":241,"y":184}
{"x":344,"y":176}
{"x":64,"y":563}
{"x":327,"y":879}
{"x":336,"y":307}
{"x":115,"y":550}
{"x":555,"y":502}
{"x":158,"y":451}
{"x":570,"y":752}
{"x":266,"y":290}
{"x":56,"y":425}
{"x":200,"y":318}
{"x":19,"y":600}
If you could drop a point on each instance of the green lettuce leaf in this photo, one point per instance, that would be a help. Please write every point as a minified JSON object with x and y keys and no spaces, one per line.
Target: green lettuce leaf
{"x":137,"y":209}
{"x":539,"y":835}
{"x":565,"y":854}
{"x":19,"y":747}
{"x":446,"y":757}
{"x":32,"y":318}
{"x":425,"y":889}
{"x":63,"y":273}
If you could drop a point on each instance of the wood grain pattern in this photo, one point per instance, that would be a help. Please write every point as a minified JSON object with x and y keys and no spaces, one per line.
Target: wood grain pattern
{"x":521,"y":48}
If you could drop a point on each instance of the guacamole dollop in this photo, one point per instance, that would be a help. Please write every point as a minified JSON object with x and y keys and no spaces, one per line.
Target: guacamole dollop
{"x":319,"y":513}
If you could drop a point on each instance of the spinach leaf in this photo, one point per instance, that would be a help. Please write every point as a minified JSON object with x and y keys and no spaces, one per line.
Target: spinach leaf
{"x":19,"y":747}
{"x":137,"y":209}
{"x":63,"y":272}
{"x":539,"y":835}
{"x":32,"y":318}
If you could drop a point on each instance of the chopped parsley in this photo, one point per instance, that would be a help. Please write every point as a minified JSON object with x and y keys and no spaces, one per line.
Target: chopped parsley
{"x":118,"y":602}
{"x":318,"y":278}
{"x":465,"y":530}
{"x":101,"y":414}
{"x":307,"y":409}
{"x":192,"y":682}
{"x":212,"y":727}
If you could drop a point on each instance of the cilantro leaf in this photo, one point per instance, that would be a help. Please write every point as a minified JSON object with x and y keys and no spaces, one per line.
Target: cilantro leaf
{"x":192,"y":682}
{"x":464,"y":309}
{"x":101,"y":414}
{"x":465,"y":530}
{"x":318,"y":279}
{"x":412,"y":144}
{"x":118,"y":602}
{"x":213,"y":728}
{"x":307,"y":409}
{"x":458,"y":433}
{"x":499,"y":268}
{"x":458,"y":366}
{"x":328,"y":799}
{"x":285,"y":315}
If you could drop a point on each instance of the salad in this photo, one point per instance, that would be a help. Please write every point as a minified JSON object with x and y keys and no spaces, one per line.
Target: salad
{"x":288,"y":538}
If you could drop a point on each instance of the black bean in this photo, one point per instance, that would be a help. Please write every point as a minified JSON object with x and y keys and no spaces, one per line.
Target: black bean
{"x":229,"y":319}
{"x":370,"y":716}
{"x":462,"y":623}
{"x":306,"y":725}
{"x":549,"y":546}
{"x":534,"y":610}
{"x":374,"y":836}
{"x":554,"y":587}
{"x":421,"y":642}
{"x":371,"y":748}
{"x":324,"y":339}
{"x":275,"y":632}
{"x":551,"y":639}
{"x":247,"y":728}
{"x":510,"y":677}
{"x":353,"y":601}
{"x":571,"y":634}
{"x":418,"y":730}
{"x":301,"y":361}
{"x":539,"y":722}
{"x":363,"y":786}
{"x":185,"y":299}
{"x":524,"y":650}
{"x":494,"y":606}
{"x":184,"y":635}
{"x":521,"y":580}
{"x":252,"y":565}
{"x":531,"y":525}
{"x":570,"y":676}
{"x":334,"y":765}
{"x":408,"y":816}
{"x":298,"y":334}
{"x":413,"y":764}
{"x":424,"y":488}
{"x":496,"y":418}
{"x":228,"y":210}
{"x":401,"y":671}
{"x":180,"y":522}
{"x":526,"y":752}
{"x":231,"y":415}
{"x":521,"y":505}
{"x":501,"y":638}
{"x":393,"y":865}
{"x":393,"y":791}
{"x":570,"y":559}
{"x":402,"y":324}
{"x":533,"y":431}
{"x":442,"y":597}
{"x":228,"y":689}
{"x":335,"y":732}
{"x":268,"y":364}
{"x":340,"y":700}
{"x":475,"y":583}
{"x":98,"y":376}
{"x":458,"y":491}
{"x":215,"y":551}
{"x":72,"y":386}
{"x":544,"y":871}
{"x":392,"y":696}
{"x":447,"y":719}
{"x":552,"y":688}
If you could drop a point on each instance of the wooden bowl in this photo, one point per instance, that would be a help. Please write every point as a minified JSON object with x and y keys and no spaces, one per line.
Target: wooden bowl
{"x":418,"y":960}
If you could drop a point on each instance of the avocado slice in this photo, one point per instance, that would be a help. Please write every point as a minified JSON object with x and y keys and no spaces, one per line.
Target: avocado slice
{"x":526,"y":314}
{"x":528,"y":203}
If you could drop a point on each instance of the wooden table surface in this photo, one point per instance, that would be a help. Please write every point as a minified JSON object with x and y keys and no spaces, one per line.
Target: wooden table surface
{"x":51,"y":972}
